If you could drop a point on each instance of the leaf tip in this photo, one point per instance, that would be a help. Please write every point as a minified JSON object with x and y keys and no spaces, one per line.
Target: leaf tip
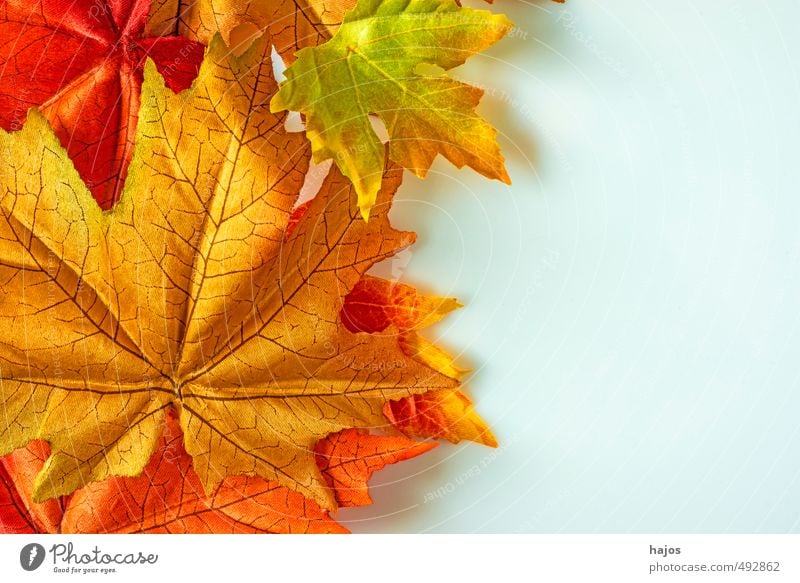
{"x":324,"y":496}
{"x":44,"y":488}
{"x":503,"y":176}
{"x":487,"y":438}
{"x":151,"y":74}
{"x":450,"y":305}
{"x":367,"y":194}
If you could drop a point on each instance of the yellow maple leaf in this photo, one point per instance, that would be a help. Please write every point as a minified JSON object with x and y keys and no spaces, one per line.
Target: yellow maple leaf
{"x":191,"y":293}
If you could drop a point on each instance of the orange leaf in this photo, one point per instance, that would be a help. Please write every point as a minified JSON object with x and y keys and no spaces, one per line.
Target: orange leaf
{"x":349,"y":458}
{"x":291,"y":25}
{"x":168,"y":497}
{"x":372,"y":306}
{"x":445,"y":414}
{"x":17,"y":473}
{"x":15,"y":518}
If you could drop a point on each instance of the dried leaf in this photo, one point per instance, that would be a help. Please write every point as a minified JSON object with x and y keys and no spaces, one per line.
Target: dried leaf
{"x":81,"y":64}
{"x":374,"y":305}
{"x":168,"y":496}
{"x":18,"y":471}
{"x":349,"y":458}
{"x":14,"y":515}
{"x":291,"y":25}
{"x":187,"y":295}
{"x":371,"y":66}
{"x":441,"y":414}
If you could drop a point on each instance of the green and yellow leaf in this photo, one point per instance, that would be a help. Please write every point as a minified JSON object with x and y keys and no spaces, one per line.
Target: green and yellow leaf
{"x":374,"y":65}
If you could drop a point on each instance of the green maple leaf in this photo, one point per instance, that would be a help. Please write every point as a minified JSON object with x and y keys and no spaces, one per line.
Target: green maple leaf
{"x":372,"y":66}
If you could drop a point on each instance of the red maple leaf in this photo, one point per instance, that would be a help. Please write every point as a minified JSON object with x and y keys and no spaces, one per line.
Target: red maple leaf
{"x":81,"y":62}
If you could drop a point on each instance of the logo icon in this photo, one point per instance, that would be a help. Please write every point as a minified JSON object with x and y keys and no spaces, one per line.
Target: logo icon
{"x":31,"y":556}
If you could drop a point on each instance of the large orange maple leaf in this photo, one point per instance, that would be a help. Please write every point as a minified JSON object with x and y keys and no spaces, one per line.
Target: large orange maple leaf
{"x":169,"y":498}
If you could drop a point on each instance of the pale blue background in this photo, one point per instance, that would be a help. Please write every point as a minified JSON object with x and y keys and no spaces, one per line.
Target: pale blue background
{"x":632,"y":301}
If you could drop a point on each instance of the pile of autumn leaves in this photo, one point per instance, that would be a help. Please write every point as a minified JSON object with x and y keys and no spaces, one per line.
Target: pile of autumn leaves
{"x":183,"y":347}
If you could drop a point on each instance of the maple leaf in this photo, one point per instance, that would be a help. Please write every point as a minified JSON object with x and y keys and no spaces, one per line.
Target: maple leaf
{"x":291,"y":25}
{"x":374,"y":305}
{"x":18,"y":513}
{"x":168,"y":496}
{"x":349,"y":458}
{"x":187,"y":295}
{"x":81,"y":64}
{"x":370,"y":66}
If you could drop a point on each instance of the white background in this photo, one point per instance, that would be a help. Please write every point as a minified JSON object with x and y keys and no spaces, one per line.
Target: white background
{"x":632,"y":301}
